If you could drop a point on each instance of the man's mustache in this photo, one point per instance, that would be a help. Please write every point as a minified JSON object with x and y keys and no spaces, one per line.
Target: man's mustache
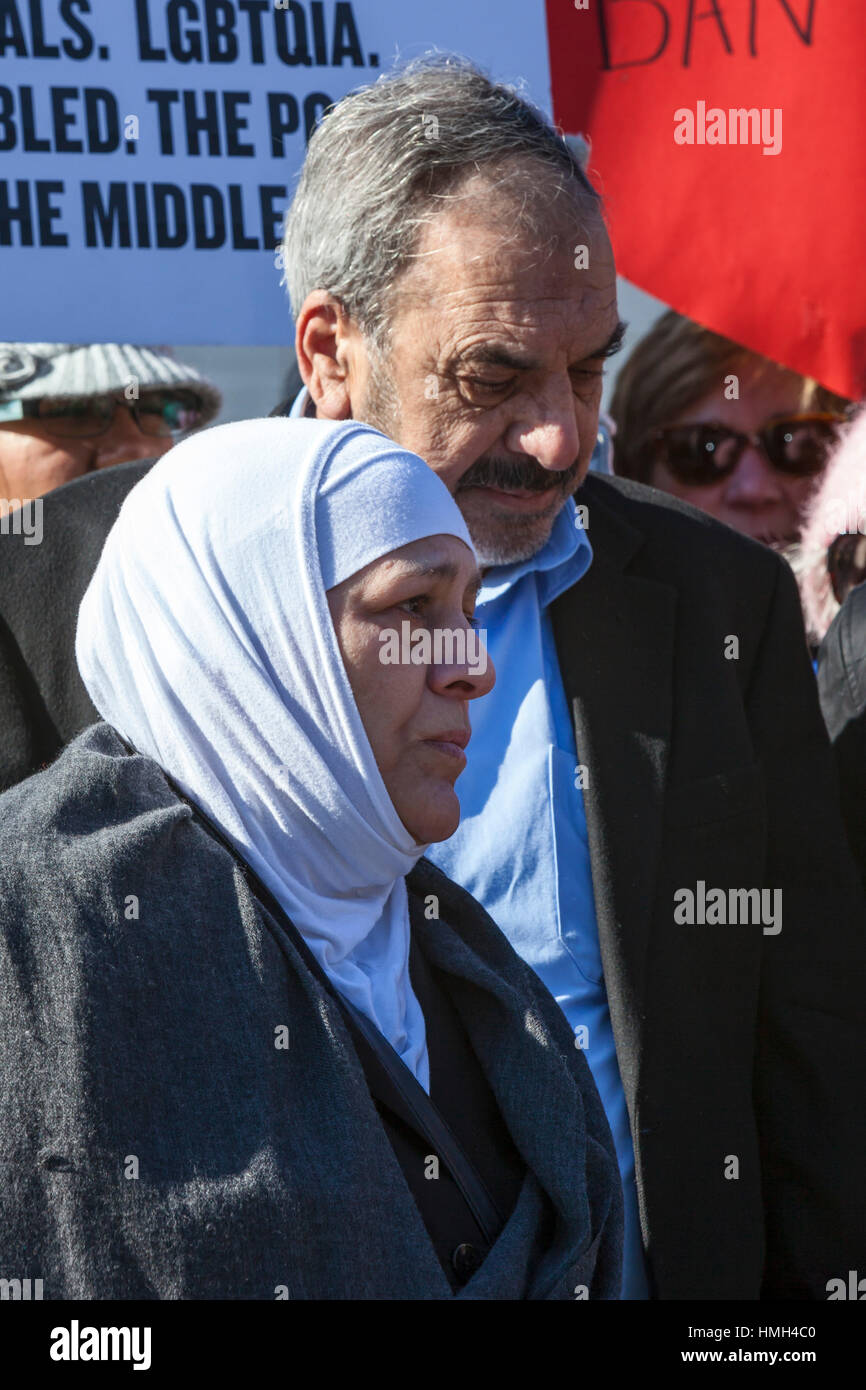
{"x":508,"y":475}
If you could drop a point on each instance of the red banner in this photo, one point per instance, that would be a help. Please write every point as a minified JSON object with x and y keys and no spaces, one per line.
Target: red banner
{"x":729,"y":143}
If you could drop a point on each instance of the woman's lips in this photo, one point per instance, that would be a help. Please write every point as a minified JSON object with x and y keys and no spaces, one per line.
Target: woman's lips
{"x":450,"y":750}
{"x":451,"y":743}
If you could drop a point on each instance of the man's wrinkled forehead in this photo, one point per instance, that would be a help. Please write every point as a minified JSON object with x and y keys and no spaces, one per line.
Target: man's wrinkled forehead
{"x":473,"y":263}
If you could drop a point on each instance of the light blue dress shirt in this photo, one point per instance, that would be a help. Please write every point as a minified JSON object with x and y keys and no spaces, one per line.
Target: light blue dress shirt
{"x":521,"y":847}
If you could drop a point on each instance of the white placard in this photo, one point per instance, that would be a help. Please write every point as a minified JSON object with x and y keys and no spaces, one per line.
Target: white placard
{"x":149,"y":148}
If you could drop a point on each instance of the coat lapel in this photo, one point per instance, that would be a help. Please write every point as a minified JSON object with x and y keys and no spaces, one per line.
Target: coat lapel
{"x":614,"y":638}
{"x":529,"y":1060}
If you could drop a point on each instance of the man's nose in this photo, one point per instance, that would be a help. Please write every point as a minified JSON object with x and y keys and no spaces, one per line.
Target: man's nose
{"x":754,"y":482}
{"x":124,"y":441}
{"x":548,"y":431}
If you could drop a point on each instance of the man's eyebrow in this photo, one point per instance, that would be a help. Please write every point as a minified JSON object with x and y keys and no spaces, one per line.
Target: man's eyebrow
{"x":613,"y":344}
{"x":497,"y":355}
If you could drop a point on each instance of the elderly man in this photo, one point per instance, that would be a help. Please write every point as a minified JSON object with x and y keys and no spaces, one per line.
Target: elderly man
{"x":68,"y":409}
{"x":654,"y":747}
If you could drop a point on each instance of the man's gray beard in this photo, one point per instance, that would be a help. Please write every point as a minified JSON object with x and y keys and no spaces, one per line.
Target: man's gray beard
{"x":517,"y":539}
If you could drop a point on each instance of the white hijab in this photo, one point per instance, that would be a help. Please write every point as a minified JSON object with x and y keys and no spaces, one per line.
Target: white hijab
{"x":206,"y":640}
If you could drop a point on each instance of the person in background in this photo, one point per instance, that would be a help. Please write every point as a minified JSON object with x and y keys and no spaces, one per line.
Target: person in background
{"x":830,"y":558}
{"x":67,"y":409}
{"x":830,"y":565}
{"x":738,"y":436}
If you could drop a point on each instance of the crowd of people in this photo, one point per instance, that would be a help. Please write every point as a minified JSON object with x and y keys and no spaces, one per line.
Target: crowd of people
{"x":325,"y":976}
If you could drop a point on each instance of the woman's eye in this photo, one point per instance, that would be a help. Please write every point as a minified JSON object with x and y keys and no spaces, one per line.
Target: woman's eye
{"x":414,"y":605}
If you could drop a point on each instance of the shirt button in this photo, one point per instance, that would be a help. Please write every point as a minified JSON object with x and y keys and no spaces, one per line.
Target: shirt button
{"x":465,"y":1260}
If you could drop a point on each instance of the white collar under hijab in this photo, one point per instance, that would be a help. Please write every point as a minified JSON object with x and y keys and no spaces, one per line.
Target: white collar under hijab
{"x":205,"y":638}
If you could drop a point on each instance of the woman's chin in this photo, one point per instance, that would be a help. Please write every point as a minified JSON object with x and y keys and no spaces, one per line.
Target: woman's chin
{"x":433,"y":815}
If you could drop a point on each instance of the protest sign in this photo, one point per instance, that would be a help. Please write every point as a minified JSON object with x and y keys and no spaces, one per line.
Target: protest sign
{"x":728,"y":141}
{"x":149,"y":148}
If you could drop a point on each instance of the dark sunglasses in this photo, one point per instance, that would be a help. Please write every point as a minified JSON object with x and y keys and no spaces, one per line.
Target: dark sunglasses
{"x":846,"y":564}
{"x":704,"y":453}
{"x":162,"y":414}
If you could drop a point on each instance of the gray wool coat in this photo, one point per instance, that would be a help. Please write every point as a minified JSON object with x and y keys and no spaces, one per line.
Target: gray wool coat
{"x":182,"y":1110}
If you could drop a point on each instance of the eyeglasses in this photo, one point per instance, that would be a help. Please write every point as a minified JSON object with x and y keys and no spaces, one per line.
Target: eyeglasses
{"x":162,"y":414}
{"x":704,"y":453}
{"x":846,"y":564}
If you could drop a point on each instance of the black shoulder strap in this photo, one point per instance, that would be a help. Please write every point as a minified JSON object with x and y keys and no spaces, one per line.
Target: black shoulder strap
{"x":419,"y":1109}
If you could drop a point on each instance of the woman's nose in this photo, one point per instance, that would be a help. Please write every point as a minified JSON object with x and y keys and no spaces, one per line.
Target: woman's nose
{"x":469,"y":672}
{"x":754,"y":482}
{"x":485,"y":677}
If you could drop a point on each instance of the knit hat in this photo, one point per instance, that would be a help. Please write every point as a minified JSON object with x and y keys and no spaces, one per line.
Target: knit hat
{"x":34,"y":371}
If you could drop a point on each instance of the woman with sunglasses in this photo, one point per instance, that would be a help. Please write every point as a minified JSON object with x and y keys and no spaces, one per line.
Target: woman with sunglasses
{"x":252,"y":1044}
{"x":743,"y":439}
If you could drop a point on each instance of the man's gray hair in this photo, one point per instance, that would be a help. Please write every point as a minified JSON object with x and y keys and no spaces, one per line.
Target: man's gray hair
{"x":381,"y":161}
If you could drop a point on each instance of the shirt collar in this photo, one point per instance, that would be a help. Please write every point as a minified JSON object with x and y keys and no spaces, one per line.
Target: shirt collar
{"x":302,"y":405}
{"x":560,"y":563}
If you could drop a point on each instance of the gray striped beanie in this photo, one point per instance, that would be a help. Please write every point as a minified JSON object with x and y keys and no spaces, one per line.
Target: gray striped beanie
{"x":33,"y":371}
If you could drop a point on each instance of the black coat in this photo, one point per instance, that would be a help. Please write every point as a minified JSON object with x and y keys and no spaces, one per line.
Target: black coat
{"x":43,"y":703}
{"x":732,"y":1044}
{"x":157,"y":1142}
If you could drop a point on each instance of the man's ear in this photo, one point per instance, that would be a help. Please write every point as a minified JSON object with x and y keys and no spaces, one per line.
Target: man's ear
{"x":327,"y":345}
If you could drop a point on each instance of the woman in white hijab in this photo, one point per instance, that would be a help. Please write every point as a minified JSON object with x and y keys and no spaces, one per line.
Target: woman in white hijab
{"x":253,"y":1019}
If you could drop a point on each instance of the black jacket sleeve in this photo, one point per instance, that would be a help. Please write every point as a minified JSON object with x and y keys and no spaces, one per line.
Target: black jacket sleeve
{"x":810,"y":1074}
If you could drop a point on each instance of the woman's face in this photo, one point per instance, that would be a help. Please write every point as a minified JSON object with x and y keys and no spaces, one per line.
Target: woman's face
{"x":755,"y":498}
{"x":414,"y":661}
